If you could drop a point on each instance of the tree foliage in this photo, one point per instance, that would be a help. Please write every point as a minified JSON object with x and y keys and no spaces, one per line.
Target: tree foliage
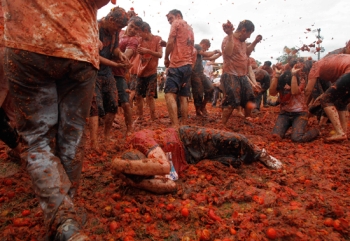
{"x":288,"y":53}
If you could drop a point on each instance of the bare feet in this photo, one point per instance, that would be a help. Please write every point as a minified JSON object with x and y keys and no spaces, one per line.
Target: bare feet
{"x":337,"y":137}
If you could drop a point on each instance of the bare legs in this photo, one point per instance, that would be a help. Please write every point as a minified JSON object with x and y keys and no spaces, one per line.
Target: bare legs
{"x":334,"y":117}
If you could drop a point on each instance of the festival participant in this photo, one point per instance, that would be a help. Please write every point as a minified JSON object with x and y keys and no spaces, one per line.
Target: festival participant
{"x":200,"y":83}
{"x":217,"y":90}
{"x":267,"y":67}
{"x":105,"y":100}
{"x":263,"y":78}
{"x":52,"y":68}
{"x":344,"y":50}
{"x":236,"y":87}
{"x":293,"y":111}
{"x":8,"y":133}
{"x":335,"y":69}
{"x":208,"y":69}
{"x":187,"y":145}
{"x":180,"y":50}
{"x":150,"y":51}
{"x":132,"y":80}
{"x":128,"y":43}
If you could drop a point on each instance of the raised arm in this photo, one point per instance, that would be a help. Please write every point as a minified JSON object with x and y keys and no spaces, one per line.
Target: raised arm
{"x":228,"y":29}
{"x":101,"y":3}
{"x":251,"y":47}
{"x":273,"y":86}
{"x":294,"y":83}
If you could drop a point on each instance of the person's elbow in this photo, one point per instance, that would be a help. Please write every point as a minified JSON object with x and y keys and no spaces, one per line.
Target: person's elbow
{"x":101,"y":3}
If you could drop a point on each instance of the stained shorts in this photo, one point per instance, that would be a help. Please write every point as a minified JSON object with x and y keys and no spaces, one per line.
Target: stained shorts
{"x":237,"y":91}
{"x":132,"y":82}
{"x":146,"y":86}
{"x":201,"y":87}
{"x":338,"y":94}
{"x":178,"y":80}
{"x":105,"y":99}
{"x":122,"y":87}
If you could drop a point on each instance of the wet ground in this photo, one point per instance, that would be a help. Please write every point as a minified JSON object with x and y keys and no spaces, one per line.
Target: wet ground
{"x":309,"y":199}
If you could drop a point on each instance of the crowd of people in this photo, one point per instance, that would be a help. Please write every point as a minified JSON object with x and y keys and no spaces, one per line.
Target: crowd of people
{"x":58,"y":76}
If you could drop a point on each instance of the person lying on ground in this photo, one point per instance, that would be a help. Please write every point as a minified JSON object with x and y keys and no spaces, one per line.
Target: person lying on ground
{"x":188,"y":145}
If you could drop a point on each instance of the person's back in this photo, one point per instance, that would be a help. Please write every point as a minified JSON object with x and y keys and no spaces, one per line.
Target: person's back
{"x":70,"y":28}
{"x":182,"y":52}
{"x":331,"y":67}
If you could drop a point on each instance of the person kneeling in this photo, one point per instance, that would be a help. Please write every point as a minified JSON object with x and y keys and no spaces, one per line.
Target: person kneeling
{"x":293,"y":106}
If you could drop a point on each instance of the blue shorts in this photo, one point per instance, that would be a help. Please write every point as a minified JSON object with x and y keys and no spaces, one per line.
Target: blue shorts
{"x":178,"y":80}
{"x":122,"y":86}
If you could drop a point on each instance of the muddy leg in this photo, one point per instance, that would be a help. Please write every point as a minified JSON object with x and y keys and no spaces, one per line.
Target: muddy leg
{"x":333,"y":115}
{"x":170,"y":99}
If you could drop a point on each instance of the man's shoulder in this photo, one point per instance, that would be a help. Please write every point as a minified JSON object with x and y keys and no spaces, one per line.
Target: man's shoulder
{"x":198,"y":47}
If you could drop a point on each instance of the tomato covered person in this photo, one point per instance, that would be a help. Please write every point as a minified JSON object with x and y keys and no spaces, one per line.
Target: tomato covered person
{"x":128,"y":43}
{"x":105,"y":100}
{"x":293,"y":113}
{"x":202,"y":87}
{"x":263,"y":78}
{"x":150,"y":51}
{"x":52,"y":68}
{"x":8,"y":133}
{"x":178,"y":59}
{"x":335,"y":69}
{"x":145,"y":167}
{"x":237,"y":89}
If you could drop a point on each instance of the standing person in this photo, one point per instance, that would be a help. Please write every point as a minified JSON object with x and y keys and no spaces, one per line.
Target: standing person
{"x":128,"y":43}
{"x":200,"y":83}
{"x":8,"y":133}
{"x":237,"y":89}
{"x":267,"y":67}
{"x":263,"y":78}
{"x":180,"y":50}
{"x":52,"y":68}
{"x":208,"y":69}
{"x":105,"y":100}
{"x":150,"y":51}
{"x":133,"y":77}
{"x":335,"y":69}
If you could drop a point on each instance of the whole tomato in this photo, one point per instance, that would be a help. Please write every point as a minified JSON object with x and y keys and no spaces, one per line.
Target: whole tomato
{"x":271,"y":233}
